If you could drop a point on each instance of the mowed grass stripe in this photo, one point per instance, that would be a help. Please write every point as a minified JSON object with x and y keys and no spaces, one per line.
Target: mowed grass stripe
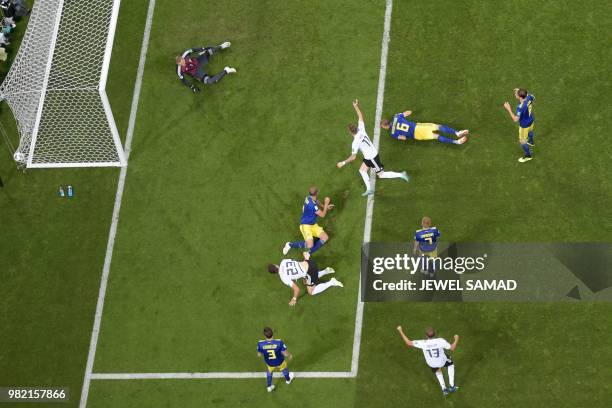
{"x":216,"y":187}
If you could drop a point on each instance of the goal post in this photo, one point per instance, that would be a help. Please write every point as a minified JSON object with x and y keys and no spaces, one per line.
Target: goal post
{"x":56,"y":87}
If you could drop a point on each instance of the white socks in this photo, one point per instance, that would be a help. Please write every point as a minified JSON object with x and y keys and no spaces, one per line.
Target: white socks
{"x":325,"y":271}
{"x":366,"y":178}
{"x":441,"y":379}
{"x":389,"y":174}
{"x":451,"y":375}
{"x":321,"y":286}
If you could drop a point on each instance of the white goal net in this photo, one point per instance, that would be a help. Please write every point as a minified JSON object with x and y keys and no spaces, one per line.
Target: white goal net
{"x":56,"y":86}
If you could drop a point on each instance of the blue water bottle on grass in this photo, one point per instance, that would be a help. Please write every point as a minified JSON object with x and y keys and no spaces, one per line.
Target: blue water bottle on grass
{"x":70,"y":192}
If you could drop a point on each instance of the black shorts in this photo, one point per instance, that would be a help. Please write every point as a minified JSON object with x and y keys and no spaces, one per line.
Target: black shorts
{"x":312,"y":278}
{"x":449,"y":362}
{"x":202,"y":61}
{"x":375,"y":164}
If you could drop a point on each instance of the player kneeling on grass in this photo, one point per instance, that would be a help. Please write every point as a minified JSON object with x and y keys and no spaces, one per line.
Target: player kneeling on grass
{"x":274,"y":353}
{"x":195,"y":66}
{"x":402,"y":129}
{"x":290,"y":271}
{"x":433,"y":350}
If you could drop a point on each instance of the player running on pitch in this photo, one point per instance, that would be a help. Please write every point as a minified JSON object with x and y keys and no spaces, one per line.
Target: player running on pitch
{"x":403,"y":129}
{"x":311,"y":231}
{"x":195,"y":66}
{"x":433,"y":350}
{"x":371,"y":158}
{"x":274,"y":353}
{"x":290,"y":271}
{"x":524,"y":117}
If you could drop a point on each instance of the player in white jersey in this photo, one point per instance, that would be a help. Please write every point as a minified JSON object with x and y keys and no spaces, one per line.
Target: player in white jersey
{"x":371,"y":159}
{"x":433,"y":349}
{"x":290,"y":271}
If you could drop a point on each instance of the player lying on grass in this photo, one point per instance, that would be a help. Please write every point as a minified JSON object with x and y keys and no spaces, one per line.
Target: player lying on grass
{"x":290,"y":271}
{"x":403,"y":129}
{"x":433,"y":349}
{"x":371,"y":158}
{"x":524,"y":117}
{"x":274,"y":353}
{"x":314,"y":236}
{"x":195,"y":66}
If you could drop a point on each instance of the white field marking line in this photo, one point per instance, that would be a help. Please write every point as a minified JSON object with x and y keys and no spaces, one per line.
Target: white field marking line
{"x":221,"y":375}
{"x":117,"y":208}
{"x":366,"y":238}
{"x":367,"y":228}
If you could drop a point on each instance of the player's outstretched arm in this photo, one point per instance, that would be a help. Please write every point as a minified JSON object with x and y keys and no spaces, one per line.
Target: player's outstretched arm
{"x":287,"y":354}
{"x":509,"y":109}
{"x":344,"y":162}
{"x":296,"y":293}
{"x":408,"y":342}
{"x":356,"y":106}
{"x":454,"y":345}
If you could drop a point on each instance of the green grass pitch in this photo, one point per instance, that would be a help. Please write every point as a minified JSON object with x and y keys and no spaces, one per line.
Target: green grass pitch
{"x":216,"y":180}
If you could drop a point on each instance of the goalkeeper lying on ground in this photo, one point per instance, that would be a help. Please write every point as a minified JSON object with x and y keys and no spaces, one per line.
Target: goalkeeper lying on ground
{"x":195,"y":66}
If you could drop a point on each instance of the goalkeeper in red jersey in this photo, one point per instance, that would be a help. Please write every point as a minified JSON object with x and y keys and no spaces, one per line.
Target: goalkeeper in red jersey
{"x":193,"y":63}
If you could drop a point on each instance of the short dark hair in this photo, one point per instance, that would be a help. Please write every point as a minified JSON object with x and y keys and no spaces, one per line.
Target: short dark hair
{"x":268,"y":332}
{"x":272,"y":268}
{"x":352,"y":128}
{"x":430,"y":332}
{"x":522,"y":93}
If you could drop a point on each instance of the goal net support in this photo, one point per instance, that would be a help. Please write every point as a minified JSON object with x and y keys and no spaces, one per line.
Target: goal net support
{"x":56,"y":86}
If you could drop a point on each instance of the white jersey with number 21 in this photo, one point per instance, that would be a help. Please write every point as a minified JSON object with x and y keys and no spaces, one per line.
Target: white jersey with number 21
{"x":433,"y":350}
{"x":290,"y":270}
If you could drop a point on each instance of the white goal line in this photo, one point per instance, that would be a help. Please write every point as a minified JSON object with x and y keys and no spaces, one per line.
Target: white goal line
{"x":366,"y":238}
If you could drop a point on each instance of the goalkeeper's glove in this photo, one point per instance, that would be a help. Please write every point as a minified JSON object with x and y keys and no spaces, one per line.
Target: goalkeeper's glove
{"x":194,"y":89}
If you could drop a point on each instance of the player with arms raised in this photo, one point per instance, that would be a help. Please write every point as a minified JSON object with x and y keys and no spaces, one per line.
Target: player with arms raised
{"x":291,"y":271}
{"x":371,"y":158}
{"x":433,"y":349}
{"x":274,"y":353}
{"x":401,"y":128}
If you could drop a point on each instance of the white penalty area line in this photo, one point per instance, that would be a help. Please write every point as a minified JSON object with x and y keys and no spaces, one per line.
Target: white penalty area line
{"x":367,"y":228}
{"x":117,"y":208}
{"x":366,"y":238}
{"x":220,"y":375}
